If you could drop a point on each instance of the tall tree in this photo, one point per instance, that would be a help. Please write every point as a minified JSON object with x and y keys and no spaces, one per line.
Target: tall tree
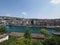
{"x":27,"y":34}
{"x":32,"y":22}
{"x":28,"y":37}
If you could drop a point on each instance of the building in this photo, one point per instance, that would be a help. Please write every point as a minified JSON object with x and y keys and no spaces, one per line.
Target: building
{"x":4,"y":37}
{"x":29,"y":22}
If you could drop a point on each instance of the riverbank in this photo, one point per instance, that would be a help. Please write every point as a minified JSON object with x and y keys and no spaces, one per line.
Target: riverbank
{"x":34,"y":36}
{"x":36,"y":26}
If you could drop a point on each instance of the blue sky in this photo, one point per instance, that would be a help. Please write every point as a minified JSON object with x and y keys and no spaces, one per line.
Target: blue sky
{"x":30,"y":8}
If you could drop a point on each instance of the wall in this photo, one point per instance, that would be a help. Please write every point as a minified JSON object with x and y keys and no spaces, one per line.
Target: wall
{"x":5,"y":38}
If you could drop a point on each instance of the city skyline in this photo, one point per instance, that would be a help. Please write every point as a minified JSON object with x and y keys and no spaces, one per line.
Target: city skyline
{"x":40,"y":9}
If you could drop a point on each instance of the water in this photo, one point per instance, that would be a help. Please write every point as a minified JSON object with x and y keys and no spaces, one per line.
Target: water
{"x":35,"y":30}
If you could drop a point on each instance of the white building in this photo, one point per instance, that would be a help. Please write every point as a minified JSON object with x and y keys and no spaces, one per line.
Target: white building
{"x":3,"y":37}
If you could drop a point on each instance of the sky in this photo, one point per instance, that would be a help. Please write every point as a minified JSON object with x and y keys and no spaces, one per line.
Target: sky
{"x":40,"y":9}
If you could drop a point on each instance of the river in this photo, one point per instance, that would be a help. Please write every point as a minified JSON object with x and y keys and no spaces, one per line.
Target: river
{"x":22,"y":29}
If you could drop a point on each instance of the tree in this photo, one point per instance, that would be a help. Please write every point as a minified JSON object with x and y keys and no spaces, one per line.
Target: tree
{"x":24,"y":41}
{"x":32,"y":22}
{"x":45,"y":32}
{"x":11,"y":41}
{"x":28,"y":37}
{"x":28,"y":34}
{"x":37,"y":42}
{"x":2,"y":29}
{"x":52,"y":41}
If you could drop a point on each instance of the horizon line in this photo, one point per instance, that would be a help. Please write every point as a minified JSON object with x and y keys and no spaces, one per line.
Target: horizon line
{"x":28,"y":18}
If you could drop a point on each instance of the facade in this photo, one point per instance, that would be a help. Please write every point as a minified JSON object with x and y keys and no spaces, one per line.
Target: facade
{"x":29,"y":22}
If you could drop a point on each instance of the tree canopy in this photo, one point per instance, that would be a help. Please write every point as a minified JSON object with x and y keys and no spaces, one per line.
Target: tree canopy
{"x":45,"y":32}
{"x":2,"y":29}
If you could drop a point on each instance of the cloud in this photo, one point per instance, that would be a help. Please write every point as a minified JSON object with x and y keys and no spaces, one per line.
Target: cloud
{"x":55,"y":1}
{"x":24,"y":13}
